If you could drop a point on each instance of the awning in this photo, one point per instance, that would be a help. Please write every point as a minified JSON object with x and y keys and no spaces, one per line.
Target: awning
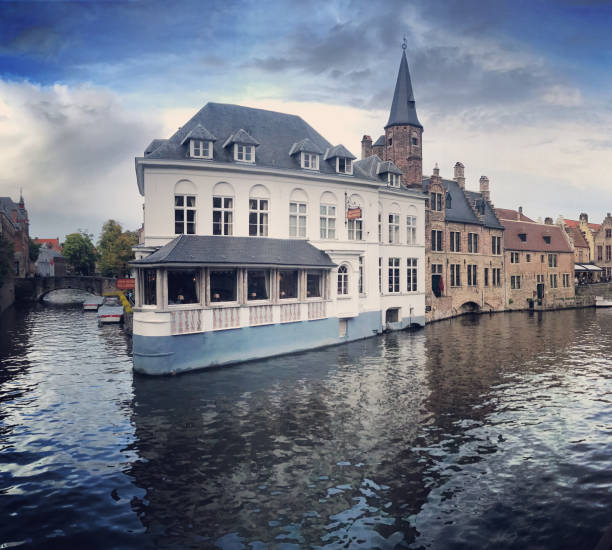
{"x":583,"y":268}
{"x":237,"y":251}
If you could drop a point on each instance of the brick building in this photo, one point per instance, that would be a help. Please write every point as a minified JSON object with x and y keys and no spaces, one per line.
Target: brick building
{"x":587,"y":229}
{"x":539,"y":264}
{"x":16,"y":228}
{"x":463,"y":237}
{"x":603,"y":246}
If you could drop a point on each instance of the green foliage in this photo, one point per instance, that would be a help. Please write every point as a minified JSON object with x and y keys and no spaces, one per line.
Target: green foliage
{"x":34,"y":250}
{"x":7,"y":257}
{"x":80,"y":252}
{"x":510,"y":301}
{"x":115,"y":248}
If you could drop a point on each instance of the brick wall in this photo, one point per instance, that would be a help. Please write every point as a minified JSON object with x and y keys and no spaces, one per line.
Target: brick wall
{"x":406,"y":155}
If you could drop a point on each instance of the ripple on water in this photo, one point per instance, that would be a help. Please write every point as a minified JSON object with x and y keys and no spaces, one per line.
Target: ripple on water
{"x":485,"y":432}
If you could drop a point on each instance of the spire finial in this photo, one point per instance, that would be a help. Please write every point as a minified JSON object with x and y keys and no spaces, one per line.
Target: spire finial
{"x":404,"y":43}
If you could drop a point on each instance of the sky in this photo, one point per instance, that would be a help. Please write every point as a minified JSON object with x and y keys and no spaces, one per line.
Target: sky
{"x":517,"y":90}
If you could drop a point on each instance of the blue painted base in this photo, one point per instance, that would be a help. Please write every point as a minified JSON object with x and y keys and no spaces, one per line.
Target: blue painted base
{"x":185,"y":352}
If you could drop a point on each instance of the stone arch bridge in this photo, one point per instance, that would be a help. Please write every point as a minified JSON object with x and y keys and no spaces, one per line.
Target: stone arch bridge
{"x":35,"y":288}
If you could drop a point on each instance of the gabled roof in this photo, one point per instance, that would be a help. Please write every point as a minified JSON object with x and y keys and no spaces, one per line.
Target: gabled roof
{"x":594,"y":227}
{"x":239,"y":251}
{"x":53,"y":244}
{"x":242,"y":137}
{"x":379,"y":142}
{"x":305,"y":145}
{"x":535,"y":233}
{"x":388,"y":166}
{"x":199,"y":132}
{"x":509,"y":214}
{"x":578,"y":237}
{"x":403,"y":109}
{"x":338,"y":151}
{"x":463,"y":203}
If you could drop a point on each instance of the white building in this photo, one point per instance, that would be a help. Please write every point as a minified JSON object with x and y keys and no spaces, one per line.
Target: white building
{"x":261,"y":238}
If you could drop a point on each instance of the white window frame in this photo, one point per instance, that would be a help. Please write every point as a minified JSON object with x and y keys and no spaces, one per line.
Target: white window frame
{"x":411,"y":230}
{"x":355,"y":229}
{"x":296,"y":232}
{"x":262,"y":227}
{"x":197,"y":149}
{"x":394,"y":180}
{"x":224,"y":210}
{"x":348,"y":165}
{"x":343,"y":280}
{"x":393,"y":272}
{"x":362,"y":275}
{"x":309,"y":161}
{"x":394,"y":228}
{"x":412,"y":281}
{"x":324,"y":218}
{"x":244,"y":153}
{"x":185,"y":209}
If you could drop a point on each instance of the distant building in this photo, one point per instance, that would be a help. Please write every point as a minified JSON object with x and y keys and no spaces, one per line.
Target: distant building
{"x":539,"y":264}
{"x":587,"y":229}
{"x":603,"y":246}
{"x":53,"y":244}
{"x":16,"y":228}
{"x":50,"y":263}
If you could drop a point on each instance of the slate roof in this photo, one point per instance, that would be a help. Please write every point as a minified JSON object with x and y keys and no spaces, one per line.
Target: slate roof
{"x":388,"y":166}
{"x":218,"y":250}
{"x":379,"y":142}
{"x":463,"y":204}
{"x":305,"y":145}
{"x":509,"y":214}
{"x":154,"y":145}
{"x":403,"y":109}
{"x":535,"y":233}
{"x":242,"y":137}
{"x":7,"y":205}
{"x":338,"y":151}
{"x":275,"y":132}
{"x":199,"y":132}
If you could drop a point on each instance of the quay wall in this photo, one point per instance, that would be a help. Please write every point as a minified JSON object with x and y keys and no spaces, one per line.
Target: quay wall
{"x":595,"y":289}
{"x":7,"y":294}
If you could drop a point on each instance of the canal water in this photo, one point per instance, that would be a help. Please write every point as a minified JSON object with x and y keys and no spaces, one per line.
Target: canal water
{"x":480,"y":432}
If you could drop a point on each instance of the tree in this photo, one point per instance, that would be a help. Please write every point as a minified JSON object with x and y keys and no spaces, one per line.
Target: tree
{"x":34,"y":250}
{"x":115,"y":247}
{"x":7,"y":258}
{"x":80,"y":252}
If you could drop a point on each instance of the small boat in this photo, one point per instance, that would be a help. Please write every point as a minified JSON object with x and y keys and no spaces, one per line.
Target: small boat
{"x":601,"y":301}
{"x":111,"y":311}
{"x":93,"y":303}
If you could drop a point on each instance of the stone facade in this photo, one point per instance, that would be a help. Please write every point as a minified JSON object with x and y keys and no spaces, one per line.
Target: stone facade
{"x":603,"y":247}
{"x":403,"y":147}
{"x":15,"y":227}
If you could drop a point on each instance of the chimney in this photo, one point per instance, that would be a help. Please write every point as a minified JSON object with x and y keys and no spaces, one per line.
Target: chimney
{"x":584,"y":217}
{"x":519,"y":214}
{"x":366,"y":147}
{"x":460,"y":175}
{"x":484,"y":188}
{"x":548,"y":220}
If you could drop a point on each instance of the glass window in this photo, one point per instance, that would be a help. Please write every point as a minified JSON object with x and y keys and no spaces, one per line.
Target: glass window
{"x":258,"y":284}
{"x":473,"y":243}
{"x":310,"y":161}
{"x":455,"y":241}
{"x":394,"y":274}
{"x":355,"y":229}
{"x":201,"y":149}
{"x":297,"y":219}
{"x":394,"y":225}
{"x":342,"y":280}
{"x":313,"y":284}
{"x":184,"y":214}
{"x":183,"y":286}
{"x":149,"y":287}
{"x":411,"y":274}
{"x":244,"y":153}
{"x":258,"y":217}
{"x":361,"y":277}
{"x":287,"y":284}
{"x":380,"y":231}
{"x":345,"y":166}
{"x":411,"y":230}
{"x":223,"y":215}
{"x":223,"y":284}
{"x":328,"y":221}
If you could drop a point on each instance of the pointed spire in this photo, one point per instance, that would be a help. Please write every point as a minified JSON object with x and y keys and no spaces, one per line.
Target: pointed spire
{"x":403,"y":110}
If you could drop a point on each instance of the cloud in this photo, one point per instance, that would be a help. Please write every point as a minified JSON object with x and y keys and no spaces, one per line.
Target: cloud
{"x":72,"y":151}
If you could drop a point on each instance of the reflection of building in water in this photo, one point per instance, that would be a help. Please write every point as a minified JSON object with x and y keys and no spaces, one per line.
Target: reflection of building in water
{"x":290,"y":443}
{"x":262,"y":238}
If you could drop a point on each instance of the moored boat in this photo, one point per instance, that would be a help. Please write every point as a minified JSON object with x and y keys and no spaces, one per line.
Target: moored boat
{"x":111,"y":311}
{"x":93,"y":303}
{"x":602,"y":301}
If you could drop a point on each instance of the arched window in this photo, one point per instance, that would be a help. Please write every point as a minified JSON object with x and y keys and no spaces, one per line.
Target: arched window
{"x":343,"y":280}
{"x":355,"y":224}
{"x":223,"y":209}
{"x":327,"y":215}
{"x":259,"y":205}
{"x":298,"y":215}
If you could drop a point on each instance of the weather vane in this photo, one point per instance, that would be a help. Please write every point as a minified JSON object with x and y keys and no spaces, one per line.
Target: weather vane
{"x":404,"y":43}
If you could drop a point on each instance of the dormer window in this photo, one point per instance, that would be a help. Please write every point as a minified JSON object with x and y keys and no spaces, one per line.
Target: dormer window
{"x":244,"y":153}
{"x":393,"y":180}
{"x":200,"y":149}
{"x":309,"y":161}
{"x":547,"y":239}
{"x":523,"y":236}
{"x":344,"y":165}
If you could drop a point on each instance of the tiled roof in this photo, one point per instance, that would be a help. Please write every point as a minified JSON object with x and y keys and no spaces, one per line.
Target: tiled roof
{"x":578,"y":237}
{"x":594,"y":227}
{"x":54,"y":244}
{"x":509,"y":214}
{"x":535,"y":233}
{"x":218,"y":250}
{"x":379,"y":142}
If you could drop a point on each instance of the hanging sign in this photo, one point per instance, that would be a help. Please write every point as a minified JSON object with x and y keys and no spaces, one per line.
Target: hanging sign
{"x":125,"y":284}
{"x":353,"y":213}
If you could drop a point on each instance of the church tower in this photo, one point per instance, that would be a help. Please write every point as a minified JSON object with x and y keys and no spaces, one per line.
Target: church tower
{"x":403,"y":132}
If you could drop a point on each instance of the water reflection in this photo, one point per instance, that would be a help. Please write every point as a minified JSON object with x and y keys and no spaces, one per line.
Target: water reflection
{"x":480,"y":432}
